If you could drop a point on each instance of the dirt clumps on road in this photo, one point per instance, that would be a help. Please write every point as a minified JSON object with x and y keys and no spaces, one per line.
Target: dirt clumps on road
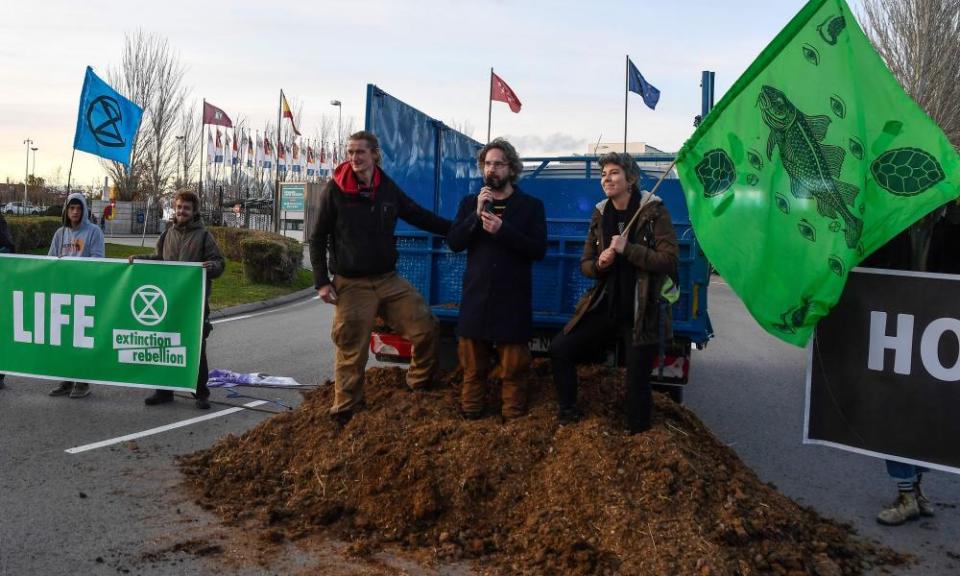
{"x":520,"y":497}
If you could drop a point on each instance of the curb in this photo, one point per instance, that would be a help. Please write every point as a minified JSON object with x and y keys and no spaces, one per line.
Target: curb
{"x":263,"y":304}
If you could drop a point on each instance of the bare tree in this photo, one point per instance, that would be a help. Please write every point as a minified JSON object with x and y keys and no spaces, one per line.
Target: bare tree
{"x":189,"y":142}
{"x":135,"y":80}
{"x":326,"y":129}
{"x":150,"y":74}
{"x":348,"y":127}
{"x":465,"y":127}
{"x":920,"y":42}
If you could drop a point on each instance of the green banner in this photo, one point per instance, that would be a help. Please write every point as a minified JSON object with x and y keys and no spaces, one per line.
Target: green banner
{"x":291,"y":197}
{"x":814,"y":159}
{"x":102,"y":321}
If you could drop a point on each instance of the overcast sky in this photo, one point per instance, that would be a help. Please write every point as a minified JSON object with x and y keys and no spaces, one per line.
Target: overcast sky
{"x":564,"y":59}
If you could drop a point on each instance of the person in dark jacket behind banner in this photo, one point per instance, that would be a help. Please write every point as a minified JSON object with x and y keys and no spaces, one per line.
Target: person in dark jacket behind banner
{"x":631,"y":249}
{"x":911,"y":502}
{"x":6,"y":239}
{"x":188,"y":241}
{"x":504,"y":231}
{"x":6,"y":247}
{"x":357,"y":215}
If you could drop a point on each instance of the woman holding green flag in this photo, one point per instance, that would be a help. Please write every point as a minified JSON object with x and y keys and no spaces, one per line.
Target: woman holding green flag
{"x":631,"y":250}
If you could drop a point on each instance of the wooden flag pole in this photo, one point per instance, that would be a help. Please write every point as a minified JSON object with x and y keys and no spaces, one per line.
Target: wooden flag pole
{"x":655,"y":186}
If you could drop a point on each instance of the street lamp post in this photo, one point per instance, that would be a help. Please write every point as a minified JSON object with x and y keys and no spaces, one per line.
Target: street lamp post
{"x":33,"y":173}
{"x":26,"y":172}
{"x":339,"y":127}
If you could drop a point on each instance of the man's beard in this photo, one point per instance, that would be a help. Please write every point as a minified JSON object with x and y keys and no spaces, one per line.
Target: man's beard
{"x":496,"y":183}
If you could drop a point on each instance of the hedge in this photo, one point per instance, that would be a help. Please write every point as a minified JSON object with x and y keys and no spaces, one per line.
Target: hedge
{"x":30,"y":232}
{"x":266,"y":261}
{"x":229,"y":240}
{"x":266,"y":257}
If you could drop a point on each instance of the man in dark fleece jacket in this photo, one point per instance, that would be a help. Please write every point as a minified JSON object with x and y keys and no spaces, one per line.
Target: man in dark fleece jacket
{"x":358,"y":213}
{"x":188,"y":241}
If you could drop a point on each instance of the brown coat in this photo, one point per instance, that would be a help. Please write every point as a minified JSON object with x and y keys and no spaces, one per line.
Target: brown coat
{"x":653,"y":265}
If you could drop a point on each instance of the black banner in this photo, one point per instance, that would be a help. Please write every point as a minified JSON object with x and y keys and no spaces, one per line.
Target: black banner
{"x":883,"y":377}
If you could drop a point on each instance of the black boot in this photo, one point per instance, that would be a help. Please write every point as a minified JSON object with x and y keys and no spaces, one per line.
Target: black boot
{"x":159,"y":397}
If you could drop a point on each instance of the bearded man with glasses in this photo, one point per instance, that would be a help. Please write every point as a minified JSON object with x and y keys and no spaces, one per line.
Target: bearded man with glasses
{"x":504,"y":232}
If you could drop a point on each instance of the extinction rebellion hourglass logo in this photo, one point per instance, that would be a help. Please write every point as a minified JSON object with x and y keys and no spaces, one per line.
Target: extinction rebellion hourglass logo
{"x":148,"y":305}
{"x":104,"y":121}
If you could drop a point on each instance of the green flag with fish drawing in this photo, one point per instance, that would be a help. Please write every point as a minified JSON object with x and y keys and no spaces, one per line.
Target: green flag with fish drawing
{"x":815,"y":158}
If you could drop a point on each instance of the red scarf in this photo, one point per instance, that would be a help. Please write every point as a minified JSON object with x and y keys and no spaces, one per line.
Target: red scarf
{"x":346,"y":179}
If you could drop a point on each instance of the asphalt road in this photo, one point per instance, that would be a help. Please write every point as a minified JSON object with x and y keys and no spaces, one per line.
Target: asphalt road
{"x":113,"y":509}
{"x":120,"y":509}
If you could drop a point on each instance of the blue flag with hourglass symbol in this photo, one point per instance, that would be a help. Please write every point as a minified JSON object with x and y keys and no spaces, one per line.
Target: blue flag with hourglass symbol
{"x":107,"y":123}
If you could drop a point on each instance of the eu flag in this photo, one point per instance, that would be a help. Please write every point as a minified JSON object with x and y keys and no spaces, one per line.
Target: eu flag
{"x":107,"y":123}
{"x":638,"y":84}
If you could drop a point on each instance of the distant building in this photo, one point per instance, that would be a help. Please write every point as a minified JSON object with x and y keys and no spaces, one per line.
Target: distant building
{"x":632,"y":147}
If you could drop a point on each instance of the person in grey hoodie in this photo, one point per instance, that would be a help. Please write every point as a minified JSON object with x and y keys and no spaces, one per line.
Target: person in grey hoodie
{"x":80,"y":239}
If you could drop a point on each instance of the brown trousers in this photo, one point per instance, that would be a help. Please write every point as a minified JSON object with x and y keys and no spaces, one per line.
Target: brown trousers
{"x":513,"y":368}
{"x":359,"y":301}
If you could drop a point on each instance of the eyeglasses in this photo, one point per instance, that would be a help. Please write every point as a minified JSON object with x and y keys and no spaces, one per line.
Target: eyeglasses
{"x":496,"y":165}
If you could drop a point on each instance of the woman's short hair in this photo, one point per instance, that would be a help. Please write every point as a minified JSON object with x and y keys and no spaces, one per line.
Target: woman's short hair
{"x":626,"y":163}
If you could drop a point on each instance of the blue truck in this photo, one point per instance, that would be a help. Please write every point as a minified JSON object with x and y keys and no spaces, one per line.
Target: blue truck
{"x":436,"y":166}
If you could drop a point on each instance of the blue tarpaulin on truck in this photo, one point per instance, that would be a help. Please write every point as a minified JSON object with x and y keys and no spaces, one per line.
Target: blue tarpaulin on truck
{"x":436,"y":166}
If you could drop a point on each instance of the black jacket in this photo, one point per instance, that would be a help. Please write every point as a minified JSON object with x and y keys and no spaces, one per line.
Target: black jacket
{"x":360,"y":229}
{"x":6,"y":240}
{"x":497,"y":301}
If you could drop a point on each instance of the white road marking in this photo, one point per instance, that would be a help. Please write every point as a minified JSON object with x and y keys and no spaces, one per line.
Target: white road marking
{"x":203,"y":418}
{"x":270,"y":311}
{"x":160,"y":429}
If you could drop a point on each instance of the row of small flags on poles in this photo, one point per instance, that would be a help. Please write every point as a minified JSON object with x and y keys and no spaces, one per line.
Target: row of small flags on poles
{"x":107,"y":125}
{"x":245,"y":150}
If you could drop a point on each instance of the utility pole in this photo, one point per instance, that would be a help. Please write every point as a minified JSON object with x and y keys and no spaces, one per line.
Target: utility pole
{"x":33,"y":173}
{"x":339,"y":127}
{"x":26,"y":173}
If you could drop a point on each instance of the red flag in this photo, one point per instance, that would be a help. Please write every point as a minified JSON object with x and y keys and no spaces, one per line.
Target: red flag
{"x":501,"y":92}
{"x":214,"y":115}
